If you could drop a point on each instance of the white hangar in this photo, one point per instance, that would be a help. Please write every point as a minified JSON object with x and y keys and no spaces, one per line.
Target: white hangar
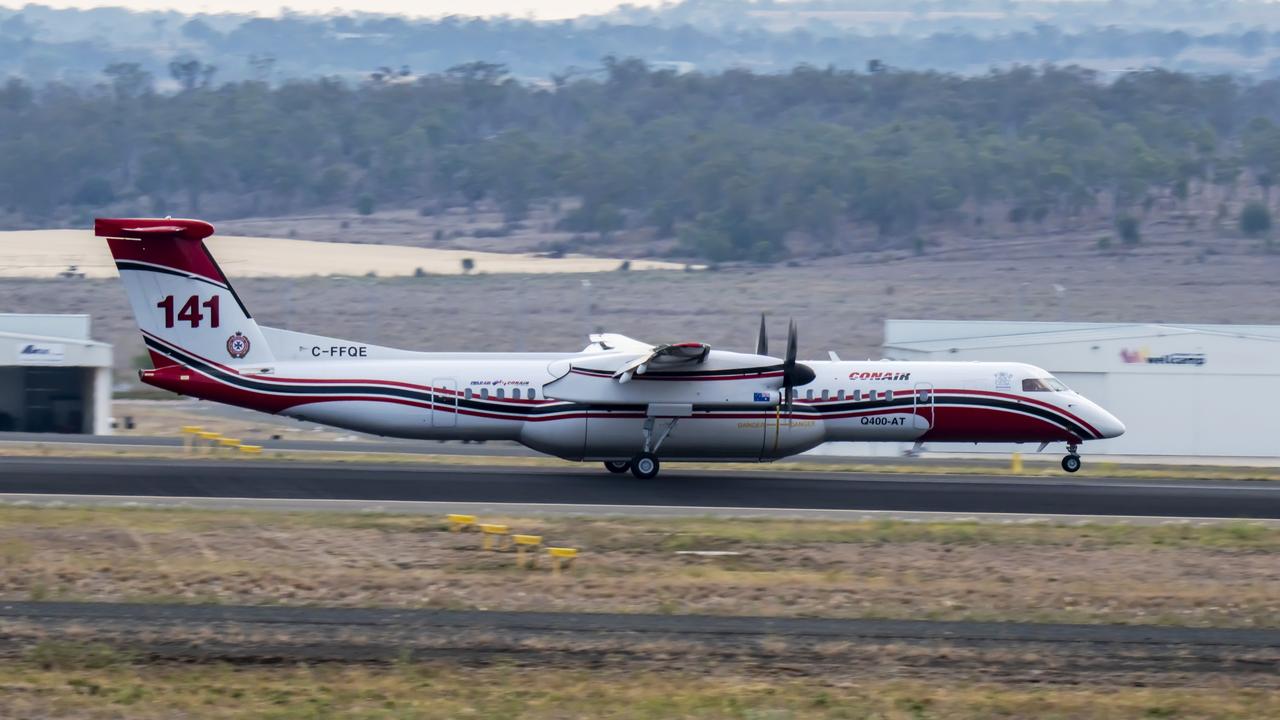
{"x":1207,"y":390}
{"x":53,"y":376}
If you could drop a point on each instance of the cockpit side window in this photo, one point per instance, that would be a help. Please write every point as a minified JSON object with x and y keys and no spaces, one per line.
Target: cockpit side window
{"x":1049,"y":384}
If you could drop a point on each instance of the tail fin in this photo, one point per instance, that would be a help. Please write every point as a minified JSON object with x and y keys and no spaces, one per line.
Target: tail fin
{"x":182,"y":301}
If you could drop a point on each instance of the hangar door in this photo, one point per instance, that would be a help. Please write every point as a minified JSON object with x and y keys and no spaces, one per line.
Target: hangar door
{"x":40,"y":399}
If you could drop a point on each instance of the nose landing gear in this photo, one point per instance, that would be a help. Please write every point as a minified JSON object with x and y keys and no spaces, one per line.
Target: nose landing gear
{"x":1071,"y":463}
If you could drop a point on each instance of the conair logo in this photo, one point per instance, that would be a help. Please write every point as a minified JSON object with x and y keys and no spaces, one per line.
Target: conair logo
{"x":893,"y":376}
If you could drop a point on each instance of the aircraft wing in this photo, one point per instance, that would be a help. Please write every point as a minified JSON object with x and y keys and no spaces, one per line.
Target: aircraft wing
{"x":673,"y":354}
{"x":612,"y":342}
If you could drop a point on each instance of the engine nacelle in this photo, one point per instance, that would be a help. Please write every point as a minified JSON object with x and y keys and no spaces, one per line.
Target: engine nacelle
{"x":722,"y":379}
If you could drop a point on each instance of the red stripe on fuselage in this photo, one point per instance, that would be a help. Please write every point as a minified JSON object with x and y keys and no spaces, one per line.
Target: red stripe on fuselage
{"x":985,"y":424}
{"x":951,"y":423}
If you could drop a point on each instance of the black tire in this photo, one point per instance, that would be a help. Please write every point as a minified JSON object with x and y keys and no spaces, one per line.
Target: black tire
{"x":617,"y":467}
{"x":1071,"y":463}
{"x":645,"y":466}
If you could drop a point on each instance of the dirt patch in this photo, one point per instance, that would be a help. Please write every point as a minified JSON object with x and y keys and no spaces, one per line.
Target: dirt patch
{"x":529,"y":688}
{"x":840,"y":302}
{"x":1180,"y":576}
{"x":46,"y":253}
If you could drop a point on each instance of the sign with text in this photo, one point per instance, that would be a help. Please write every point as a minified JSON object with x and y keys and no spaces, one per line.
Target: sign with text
{"x":40,"y":353}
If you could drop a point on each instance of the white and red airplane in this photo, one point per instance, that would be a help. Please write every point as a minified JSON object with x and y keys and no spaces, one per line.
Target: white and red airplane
{"x":618,"y":401}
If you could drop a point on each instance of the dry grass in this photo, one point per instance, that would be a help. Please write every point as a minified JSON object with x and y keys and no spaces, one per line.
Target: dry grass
{"x":102,"y":688}
{"x":1182,"y":575}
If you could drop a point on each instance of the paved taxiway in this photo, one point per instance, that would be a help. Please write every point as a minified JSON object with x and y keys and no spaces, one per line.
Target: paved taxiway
{"x":153,"y":615}
{"x":688,"y":492}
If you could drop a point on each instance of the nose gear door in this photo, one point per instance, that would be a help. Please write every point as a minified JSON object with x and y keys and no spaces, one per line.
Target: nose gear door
{"x":922,"y":406}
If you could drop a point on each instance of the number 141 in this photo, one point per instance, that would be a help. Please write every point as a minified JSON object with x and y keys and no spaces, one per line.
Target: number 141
{"x":190,"y":311}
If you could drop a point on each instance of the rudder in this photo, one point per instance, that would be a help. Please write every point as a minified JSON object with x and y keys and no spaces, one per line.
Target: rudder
{"x":181,"y":299}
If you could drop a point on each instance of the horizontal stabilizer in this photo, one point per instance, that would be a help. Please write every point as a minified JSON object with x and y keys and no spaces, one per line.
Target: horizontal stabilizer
{"x":142,"y":228}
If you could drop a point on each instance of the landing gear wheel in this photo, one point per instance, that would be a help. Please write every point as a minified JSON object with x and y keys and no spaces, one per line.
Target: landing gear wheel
{"x":1071,"y":463}
{"x":645,"y":466}
{"x":617,"y":467}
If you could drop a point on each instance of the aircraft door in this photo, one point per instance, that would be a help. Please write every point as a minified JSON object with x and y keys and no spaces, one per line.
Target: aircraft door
{"x":444,"y":411}
{"x":922,"y":406}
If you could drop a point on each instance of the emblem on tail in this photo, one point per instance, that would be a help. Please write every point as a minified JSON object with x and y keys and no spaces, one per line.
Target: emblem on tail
{"x":238,"y":345}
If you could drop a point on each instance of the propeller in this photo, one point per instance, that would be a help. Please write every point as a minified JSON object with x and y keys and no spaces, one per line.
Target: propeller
{"x":794,"y":374}
{"x":762,"y":339}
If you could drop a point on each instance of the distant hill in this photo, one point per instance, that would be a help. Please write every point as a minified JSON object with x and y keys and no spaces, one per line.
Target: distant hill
{"x":727,"y":167}
{"x":42,"y":44}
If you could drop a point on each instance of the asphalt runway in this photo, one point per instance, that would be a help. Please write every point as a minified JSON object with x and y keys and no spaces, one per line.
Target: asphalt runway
{"x":157,"y":614}
{"x":592,"y":486}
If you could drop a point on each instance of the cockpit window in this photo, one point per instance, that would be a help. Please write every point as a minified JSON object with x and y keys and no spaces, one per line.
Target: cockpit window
{"x":1049,"y":384}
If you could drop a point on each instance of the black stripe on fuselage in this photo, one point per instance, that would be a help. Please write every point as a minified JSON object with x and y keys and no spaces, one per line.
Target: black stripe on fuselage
{"x":424,"y":395}
{"x":427,"y":396}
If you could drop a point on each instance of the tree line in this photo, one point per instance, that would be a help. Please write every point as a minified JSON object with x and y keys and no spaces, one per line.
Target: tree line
{"x":735,"y":165}
{"x":42,"y":44}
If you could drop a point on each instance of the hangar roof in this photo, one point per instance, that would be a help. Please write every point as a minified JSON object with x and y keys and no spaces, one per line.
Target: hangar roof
{"x":946,"y":335}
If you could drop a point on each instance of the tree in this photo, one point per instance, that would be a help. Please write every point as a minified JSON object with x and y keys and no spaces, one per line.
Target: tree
{"x":128,"y":80}
{"x":1130,"y":229}
{"x":190,"y":73}
{"x":1255,"y":219}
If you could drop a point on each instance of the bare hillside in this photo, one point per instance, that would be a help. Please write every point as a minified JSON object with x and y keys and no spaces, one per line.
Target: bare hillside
{"x":840,"y":302}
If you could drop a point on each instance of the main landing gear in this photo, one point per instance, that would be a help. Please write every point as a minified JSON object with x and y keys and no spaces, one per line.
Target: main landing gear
{"x":645,"y":464}
{"x":1071,"y":463}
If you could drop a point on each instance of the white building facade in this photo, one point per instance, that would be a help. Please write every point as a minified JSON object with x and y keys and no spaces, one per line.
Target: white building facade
{"x":53,"y":377}
{"x":1197,"y":390}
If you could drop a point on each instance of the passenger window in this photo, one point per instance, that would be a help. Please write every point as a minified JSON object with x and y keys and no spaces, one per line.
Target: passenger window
{"x":888,"y":394}
{"x":531,"y":394}
{"x":826,"y":394}
{"x":840,"y":395}
{"x":484,"y":393}
{"x":857,"y":395}
{"x":924,"y":394}
{"x":808,"y":394}
{"x":501,"y":393}
{"x":871,"y":395}
{"x":467,"y":394}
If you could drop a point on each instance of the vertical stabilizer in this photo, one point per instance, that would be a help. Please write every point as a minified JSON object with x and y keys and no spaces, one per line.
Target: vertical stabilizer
{"x":182,"y":301}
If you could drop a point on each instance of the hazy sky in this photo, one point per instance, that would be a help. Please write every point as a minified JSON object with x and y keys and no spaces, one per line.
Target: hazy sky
{"x":542,"y":9}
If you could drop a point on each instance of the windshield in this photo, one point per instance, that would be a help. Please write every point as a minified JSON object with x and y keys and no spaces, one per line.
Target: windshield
{"x":1049,"y":384}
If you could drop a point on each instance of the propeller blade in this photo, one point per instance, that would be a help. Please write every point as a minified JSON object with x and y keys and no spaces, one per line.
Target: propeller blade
{"x":762,"y":339}
{"x":791,"y":345}
{"x":793,"y":373}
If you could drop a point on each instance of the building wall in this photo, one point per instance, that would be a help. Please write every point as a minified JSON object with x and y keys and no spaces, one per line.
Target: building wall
{"x":11,"y":396}
{"x":64,"y":346}
{"x":1222,"y":400}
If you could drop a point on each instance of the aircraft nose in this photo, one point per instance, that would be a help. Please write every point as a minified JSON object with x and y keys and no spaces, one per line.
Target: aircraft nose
{"x":1109,"y":425}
